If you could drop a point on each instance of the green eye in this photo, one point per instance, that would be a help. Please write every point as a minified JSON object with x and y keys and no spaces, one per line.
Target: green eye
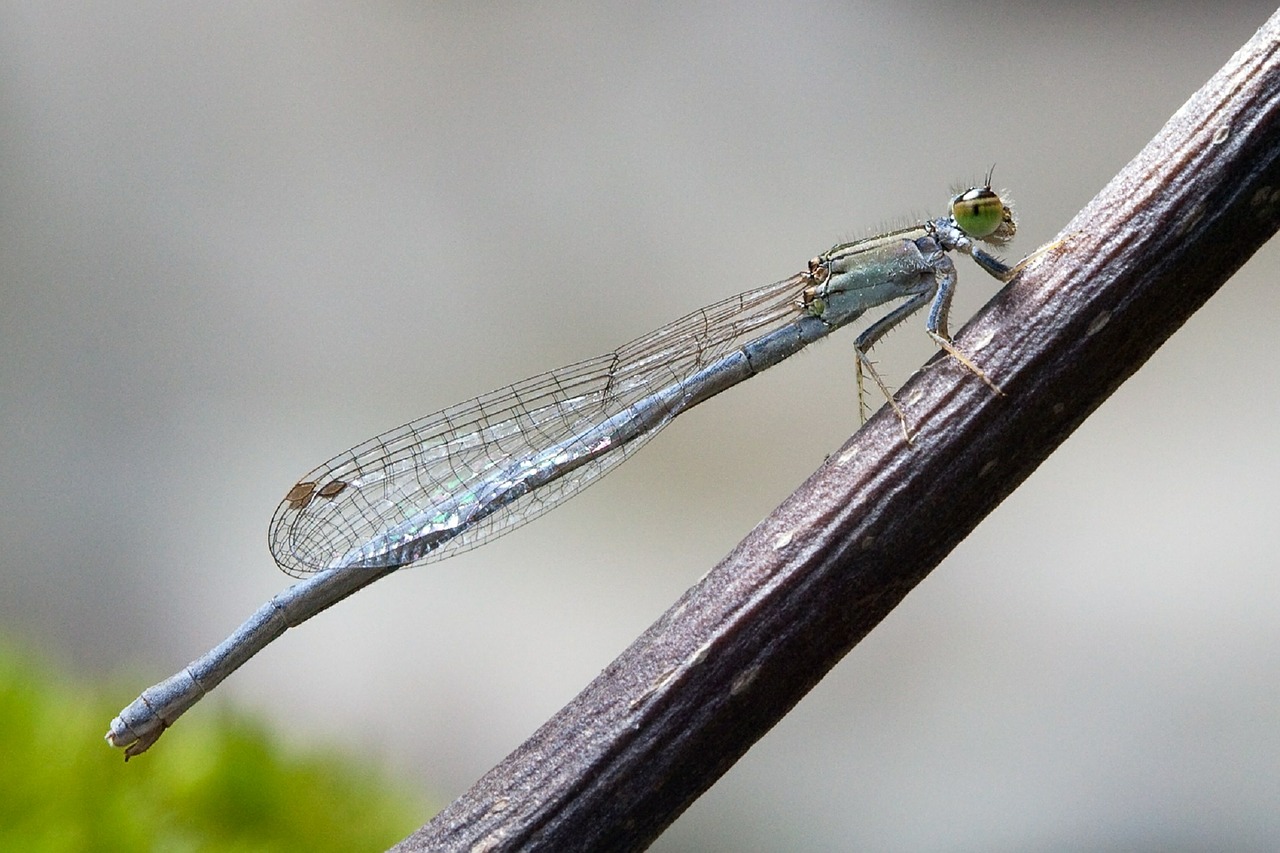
{"x":979,"y":212}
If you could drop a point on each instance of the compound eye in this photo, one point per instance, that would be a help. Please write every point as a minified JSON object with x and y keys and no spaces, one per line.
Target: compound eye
{"x":978,"y":212}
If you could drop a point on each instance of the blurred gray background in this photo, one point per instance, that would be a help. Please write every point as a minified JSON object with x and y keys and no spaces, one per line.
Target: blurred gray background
{"x":237,"y":239}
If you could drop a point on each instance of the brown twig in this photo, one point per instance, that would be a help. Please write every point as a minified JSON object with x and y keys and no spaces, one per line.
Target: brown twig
{"x":617,"y":765}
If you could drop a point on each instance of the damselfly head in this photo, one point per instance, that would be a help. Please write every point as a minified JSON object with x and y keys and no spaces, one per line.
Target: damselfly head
{"x":981,"y":214}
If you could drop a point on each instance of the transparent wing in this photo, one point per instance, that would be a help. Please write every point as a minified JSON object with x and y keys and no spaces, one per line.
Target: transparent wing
{"x":362,"y":494}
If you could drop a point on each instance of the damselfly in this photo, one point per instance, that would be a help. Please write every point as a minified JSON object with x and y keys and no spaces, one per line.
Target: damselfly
{"x":466,"y":475}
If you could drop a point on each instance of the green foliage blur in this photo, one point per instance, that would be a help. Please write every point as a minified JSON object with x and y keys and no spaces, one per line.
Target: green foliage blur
{"x":218,"y":782}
